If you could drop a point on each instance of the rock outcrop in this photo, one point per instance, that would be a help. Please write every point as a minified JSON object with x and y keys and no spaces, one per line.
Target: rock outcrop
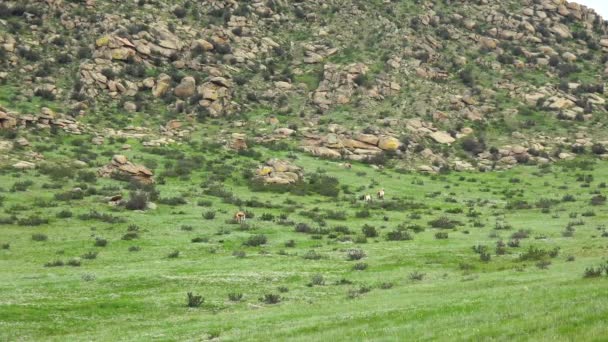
{"x":121,"y":167}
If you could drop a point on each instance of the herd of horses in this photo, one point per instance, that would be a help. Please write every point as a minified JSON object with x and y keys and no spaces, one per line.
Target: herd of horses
{"x":241,"y":216}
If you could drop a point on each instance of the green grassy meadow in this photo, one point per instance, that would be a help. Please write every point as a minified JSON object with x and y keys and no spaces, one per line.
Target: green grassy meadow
{"x":419,"y":287}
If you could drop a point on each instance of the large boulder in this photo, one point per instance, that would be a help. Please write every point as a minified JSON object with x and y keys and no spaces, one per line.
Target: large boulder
{"x":121,"y":167}
{"x":186,"y":88}
{"x":277,"y":171}
{"x":162,"y":85}
{"x":389,"y":143}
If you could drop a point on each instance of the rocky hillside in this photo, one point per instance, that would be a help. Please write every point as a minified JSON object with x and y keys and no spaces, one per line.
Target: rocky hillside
{"x":432,"y":85}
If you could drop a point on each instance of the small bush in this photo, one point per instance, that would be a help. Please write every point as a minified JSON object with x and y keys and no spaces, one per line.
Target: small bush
{"x":74,"y":262}
{"x":360,"y":266}
{"x":134,"y":249}
{"x":55,"y":263}
{"x":256,"y":240}
{"x":416,"y":276}
{"x":598,"y":200}
{"x":441,"y":235}
{"x":39,"y":237}
{"x":270,"y":298}
{"x":194,"y":301}
{"x":355,"y":254}
{"x":64,"y":214}
{"x":199,"y":240}
{"x":138,"y":200}
{"x":398,"y":235}
{"x":89,"y":255}
{"x":444,"y":223}
{"x":267,"y":217}
{"x":312,"y":255}
{"x":209,"y":215}
{"x":173,"y":254}
{"x":235,"y":297}
{"x":32,"y":221}
{"x":130,"y":236}
{"x":317,"y":280}
{"x":593,"y":272}
{"x":369,"y":231}
{"x":100,"y":242}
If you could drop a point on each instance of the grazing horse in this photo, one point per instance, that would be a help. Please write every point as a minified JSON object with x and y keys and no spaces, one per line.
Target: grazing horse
{"x":240,"y":216}
{"x":380,"y":194}
{"x":367,"y":198}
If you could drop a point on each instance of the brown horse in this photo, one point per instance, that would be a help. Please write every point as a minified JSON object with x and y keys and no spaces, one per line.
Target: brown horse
{"x":380,"y":194}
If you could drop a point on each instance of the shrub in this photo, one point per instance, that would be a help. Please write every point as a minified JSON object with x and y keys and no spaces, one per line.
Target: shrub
{"x":444,"y":222}
{"x":89,"y":255}
{"x":441,"y":235}
{"x":398,"y":235}
{"x":138,"y":200}
{"x":267,"y":217}
{"x":235,"y":297}
{"x":134,"y":249}
{"x":360,"y":266}
{"x":173,"y":201}
{"x":39,"y":237}
{"x":290,"y":243}
{"x":32,"y":221}
{"x":199,"y":240}
{"x":312,"y":255}
{"x":270,"y":298}
{"x":173,"y":254}
{"x":485,"y":256}
{"x":194,"y":301}
{"x":416,"y":276}
{"x":365,"y":213}
{"x":74,"y":262}
{"x":303,"y":228}
{"x":209,"y":215}
{"x":64,"y":214}
{"x":6,"y":245}
{"x":598,"y":149}
{"x":513,"y":243}
{"x":256,"y":240}
{"x":369,"y":231}
{"x":130,"y":236}
{"x":543,"y":264}
{"x":100,"y":242}
{"x":355,"y":254}
{"x":593,"y":272}
{"x":598,"y":200}
{"x":55,"y":263}
{"x":317,"y":280}
{"x":239,"y":254}
{"x":204,"y":203}
{"x":520,"y":234}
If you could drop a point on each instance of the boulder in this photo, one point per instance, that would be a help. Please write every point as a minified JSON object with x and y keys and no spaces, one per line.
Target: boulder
{"x":162,"y":85}
{"x":24,"y":165}
{"x":277,"y":171}
{"x":442,"y":137}
{"x":389,"y":143}
{"x":121,"y":167}
{"x":186,"y":88}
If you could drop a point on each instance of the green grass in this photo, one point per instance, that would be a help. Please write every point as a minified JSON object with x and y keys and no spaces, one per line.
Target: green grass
{"x":142,"y":295}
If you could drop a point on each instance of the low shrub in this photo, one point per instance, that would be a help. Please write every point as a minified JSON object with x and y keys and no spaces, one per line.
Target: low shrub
{"x":355,"y":254}
{"x":39,"y":237}
{"x":194,"y":301}
{"x":256,"y":240}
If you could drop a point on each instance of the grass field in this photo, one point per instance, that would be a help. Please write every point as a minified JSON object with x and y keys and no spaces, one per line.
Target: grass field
{"x":333,"y":280}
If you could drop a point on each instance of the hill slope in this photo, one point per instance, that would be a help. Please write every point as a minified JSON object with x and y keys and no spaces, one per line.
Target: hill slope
{"x":134,"y":133}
